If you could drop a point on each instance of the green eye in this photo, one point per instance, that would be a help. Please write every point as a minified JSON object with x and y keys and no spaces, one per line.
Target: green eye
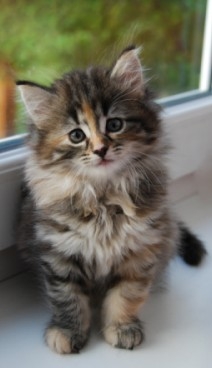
{"x":77,"y":136}
{"x":114,"y":125}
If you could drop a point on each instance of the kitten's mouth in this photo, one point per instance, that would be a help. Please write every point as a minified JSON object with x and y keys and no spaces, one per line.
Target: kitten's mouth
{"x":105,"y":162}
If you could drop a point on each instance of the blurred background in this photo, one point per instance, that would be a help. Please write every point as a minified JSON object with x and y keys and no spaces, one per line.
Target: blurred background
{"x":41,"y":39}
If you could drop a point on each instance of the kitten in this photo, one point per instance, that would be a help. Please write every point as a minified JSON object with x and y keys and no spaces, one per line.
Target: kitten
{"x":95,"y":216}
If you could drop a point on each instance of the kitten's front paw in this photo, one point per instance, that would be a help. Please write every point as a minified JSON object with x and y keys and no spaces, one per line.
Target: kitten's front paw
{"x":62,"y":341}
{"x":125,"y":336}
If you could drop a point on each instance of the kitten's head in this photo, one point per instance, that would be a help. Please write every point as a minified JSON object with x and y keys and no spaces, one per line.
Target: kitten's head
{"x":94,"y":123}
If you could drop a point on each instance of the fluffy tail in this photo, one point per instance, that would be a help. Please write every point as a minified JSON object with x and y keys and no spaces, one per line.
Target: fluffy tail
{"x":191,"y":249}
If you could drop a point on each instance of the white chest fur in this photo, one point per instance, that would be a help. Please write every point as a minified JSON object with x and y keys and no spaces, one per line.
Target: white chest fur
{"x":105,"y":238}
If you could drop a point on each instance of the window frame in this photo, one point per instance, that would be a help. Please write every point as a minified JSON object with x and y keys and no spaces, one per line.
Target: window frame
{"x":206,"y":61}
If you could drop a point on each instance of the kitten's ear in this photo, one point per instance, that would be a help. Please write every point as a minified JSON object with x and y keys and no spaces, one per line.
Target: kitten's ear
{"x":36,"y":100}
{"x":129,"y":70}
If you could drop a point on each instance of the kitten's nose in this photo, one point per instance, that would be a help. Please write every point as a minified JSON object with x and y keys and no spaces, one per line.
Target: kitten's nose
{"x":101,"y":152}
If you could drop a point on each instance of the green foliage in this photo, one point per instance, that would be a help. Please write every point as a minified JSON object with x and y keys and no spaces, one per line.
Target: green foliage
{"x":42,"y":38}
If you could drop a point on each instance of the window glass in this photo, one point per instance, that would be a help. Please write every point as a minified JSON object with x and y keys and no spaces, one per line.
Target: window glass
{"x":40,"y":39}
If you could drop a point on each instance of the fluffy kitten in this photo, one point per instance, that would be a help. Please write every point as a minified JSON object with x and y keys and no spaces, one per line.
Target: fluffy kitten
{"x":95,"y":216}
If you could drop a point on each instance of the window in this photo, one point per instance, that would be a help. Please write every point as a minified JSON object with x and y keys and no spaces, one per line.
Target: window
{"x":42,"y":39}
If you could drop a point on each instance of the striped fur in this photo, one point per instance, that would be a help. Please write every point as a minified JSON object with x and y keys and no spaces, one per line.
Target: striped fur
{"x":95,"y":217}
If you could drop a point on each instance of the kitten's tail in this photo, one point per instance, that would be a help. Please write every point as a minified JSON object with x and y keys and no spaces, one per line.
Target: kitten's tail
{"x":190,"y":248}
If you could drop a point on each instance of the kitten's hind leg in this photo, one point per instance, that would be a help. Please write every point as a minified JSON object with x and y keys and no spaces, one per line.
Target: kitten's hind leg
{"x":69,"y":327}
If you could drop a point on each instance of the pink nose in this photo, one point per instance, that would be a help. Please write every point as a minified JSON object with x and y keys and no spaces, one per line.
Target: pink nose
{"x":101,"y":152}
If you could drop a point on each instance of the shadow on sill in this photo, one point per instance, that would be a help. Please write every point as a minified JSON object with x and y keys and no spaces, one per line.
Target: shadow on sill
{"x":10,"y":263}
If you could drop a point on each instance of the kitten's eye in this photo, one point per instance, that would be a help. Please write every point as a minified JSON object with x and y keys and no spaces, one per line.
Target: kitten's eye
{"x":114,"y":125}
{"x":77,"y":136}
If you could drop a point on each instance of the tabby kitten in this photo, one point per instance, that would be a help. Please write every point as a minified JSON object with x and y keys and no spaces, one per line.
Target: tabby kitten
{"x":95,"y":216}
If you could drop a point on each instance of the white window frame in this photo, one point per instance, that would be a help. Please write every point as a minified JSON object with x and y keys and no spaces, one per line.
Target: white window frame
{"x":206,"y":61}
{"x":205,"y":67}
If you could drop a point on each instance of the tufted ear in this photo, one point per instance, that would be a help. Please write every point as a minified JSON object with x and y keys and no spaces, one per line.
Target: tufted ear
{"x":36,"y":100}
{"x":129,"y":70}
